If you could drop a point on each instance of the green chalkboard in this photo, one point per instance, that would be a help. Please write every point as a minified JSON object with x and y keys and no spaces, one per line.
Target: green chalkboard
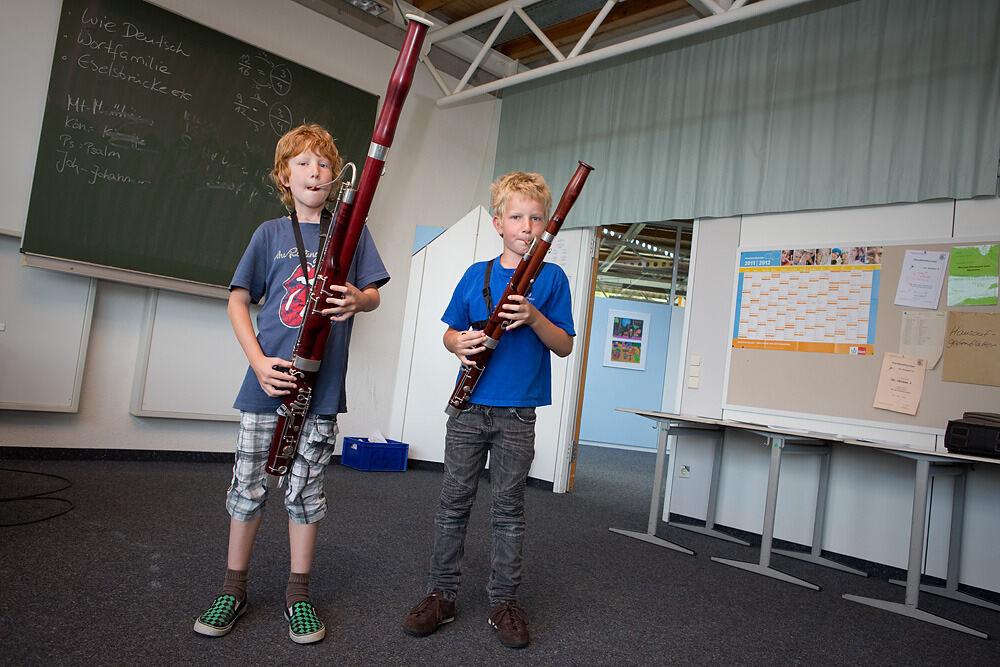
{"x":158,"y":138}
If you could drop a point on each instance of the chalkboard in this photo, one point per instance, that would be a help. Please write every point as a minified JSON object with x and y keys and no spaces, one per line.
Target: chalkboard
{"x":157,"y":140}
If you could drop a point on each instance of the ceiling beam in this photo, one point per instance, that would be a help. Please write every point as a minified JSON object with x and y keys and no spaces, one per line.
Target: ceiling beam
{"x":706,"y":7}
{"x":636,"y":282}
{"x":527,"y":49}
{"x":700,"y":26}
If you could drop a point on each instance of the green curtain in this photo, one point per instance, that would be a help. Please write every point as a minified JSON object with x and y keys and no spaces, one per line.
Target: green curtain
{"x":869,"y":102}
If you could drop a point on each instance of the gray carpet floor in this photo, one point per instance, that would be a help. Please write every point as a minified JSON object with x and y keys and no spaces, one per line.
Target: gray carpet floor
{"x":120,"y":578}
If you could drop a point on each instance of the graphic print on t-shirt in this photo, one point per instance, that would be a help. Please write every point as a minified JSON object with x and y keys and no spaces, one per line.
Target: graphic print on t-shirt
{"x":292,"y":308}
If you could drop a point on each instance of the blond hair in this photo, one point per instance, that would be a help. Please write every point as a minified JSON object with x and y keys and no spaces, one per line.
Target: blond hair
{"x":308,"y":136}
{"x":531,"y":186}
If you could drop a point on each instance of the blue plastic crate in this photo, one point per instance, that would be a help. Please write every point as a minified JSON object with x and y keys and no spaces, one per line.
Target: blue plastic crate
{"x":363,"y":455}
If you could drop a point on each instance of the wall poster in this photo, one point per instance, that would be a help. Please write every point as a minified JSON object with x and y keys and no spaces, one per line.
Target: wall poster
{"x":625,"y":345}
{"x":808,"y":299}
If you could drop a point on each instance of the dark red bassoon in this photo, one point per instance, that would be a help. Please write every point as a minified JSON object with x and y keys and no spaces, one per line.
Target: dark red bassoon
{"x":334,"y":260}
{"x":520,"y":283}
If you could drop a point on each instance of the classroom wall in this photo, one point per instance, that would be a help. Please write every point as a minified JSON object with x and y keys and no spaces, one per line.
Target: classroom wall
{"x":440,"y":166}
{"x":868,"y":512}
{"x":608,"y":387}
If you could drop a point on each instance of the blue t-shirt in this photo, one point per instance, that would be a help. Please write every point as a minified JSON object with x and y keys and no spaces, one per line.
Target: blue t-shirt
{"x":519,"y":372}
{"x":270,"y":270}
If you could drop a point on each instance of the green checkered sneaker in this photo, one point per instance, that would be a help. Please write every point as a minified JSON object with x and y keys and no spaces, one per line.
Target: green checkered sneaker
{"x":220,"y":617}
{"x":304,"y":626}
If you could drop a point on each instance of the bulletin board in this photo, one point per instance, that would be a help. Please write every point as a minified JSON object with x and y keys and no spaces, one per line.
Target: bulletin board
{"x":843,"y":386}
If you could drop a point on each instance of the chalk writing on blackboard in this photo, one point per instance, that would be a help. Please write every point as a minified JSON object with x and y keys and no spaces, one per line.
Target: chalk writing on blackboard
{"x":158,"y":139}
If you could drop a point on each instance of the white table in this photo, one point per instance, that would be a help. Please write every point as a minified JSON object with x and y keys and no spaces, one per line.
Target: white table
{"x":788,"y":441}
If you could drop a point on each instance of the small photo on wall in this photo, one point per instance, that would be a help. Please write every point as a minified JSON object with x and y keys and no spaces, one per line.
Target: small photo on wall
{"x":625,"y":345}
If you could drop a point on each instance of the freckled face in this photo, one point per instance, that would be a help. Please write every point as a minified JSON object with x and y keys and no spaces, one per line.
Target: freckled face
{"x":306,"y":171}
{"x":523,"y":220}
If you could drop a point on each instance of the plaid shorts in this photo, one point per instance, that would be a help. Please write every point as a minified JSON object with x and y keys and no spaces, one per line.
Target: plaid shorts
{"x":304,"y":496}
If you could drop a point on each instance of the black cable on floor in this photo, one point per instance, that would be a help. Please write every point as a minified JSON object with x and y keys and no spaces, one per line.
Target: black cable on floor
{"x":38,"y":496}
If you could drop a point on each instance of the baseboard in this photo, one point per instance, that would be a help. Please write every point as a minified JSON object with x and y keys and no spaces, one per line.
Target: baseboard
{"x":90,"y":454}
{"x":608,"y":445}
{"x":93,"y":454}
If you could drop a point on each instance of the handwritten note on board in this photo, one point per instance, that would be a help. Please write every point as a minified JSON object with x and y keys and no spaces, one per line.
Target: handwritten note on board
{"x":972,"y":348}
{"x":900,"y":383}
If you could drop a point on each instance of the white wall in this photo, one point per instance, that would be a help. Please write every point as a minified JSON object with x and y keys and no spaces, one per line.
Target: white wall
{"x":870,"y":495}
{"x":440,"y":166}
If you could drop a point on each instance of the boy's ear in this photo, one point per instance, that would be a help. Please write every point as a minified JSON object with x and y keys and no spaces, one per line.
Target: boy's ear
{"x":497,"y":226}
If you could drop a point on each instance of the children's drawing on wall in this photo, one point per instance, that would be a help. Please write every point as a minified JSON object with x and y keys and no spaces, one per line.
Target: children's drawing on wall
{"x":625,"y":345}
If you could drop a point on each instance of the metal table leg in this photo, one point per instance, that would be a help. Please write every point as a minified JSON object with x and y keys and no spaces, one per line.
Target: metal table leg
{"x":919,"y":515}
{"x":713,"y":495}
{"x":819,"y":522}
{"x":950,"y":588}
{"x":763,"y":566}
{"x":656,"y":502}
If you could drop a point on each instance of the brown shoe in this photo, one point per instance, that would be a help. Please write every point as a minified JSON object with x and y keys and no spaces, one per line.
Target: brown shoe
{"x":428,"y":615}
{"x":511,"y":624}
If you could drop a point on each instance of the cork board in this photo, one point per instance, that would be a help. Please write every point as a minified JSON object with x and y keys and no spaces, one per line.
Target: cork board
{"x":842,"y":385}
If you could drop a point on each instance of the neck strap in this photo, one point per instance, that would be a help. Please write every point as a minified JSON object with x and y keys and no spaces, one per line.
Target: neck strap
{"x":324,"y":226}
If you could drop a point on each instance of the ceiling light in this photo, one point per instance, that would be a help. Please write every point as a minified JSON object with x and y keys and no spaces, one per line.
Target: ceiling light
{"x":370,"y":6}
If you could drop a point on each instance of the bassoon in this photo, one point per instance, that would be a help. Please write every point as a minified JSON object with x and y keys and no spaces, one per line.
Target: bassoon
{"x":334,"y":260}
{"x":520,"y":283}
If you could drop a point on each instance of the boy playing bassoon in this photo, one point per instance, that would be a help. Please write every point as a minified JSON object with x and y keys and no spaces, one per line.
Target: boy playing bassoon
{"x":499,"y":419}
{"x":306,"y":163}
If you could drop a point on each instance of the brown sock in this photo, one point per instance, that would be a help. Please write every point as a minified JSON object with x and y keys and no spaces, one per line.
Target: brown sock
{"x":297,"y":589}
{"x":235,"y":585}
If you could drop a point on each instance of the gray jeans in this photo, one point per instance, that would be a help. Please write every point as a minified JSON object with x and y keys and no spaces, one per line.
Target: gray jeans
{"x":508,"y":435}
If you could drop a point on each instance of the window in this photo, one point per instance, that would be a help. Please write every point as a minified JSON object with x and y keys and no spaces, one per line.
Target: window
{"x":645,"y":262}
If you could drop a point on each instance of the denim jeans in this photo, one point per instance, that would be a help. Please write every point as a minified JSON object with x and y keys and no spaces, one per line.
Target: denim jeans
{"x":508,"y":435}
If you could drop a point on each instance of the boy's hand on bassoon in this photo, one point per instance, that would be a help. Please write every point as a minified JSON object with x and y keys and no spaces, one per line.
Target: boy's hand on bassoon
{"x":468,"y":343}
{"x":518,"y":311}
{"x":272,"y":375}
{"x":344,"y":308}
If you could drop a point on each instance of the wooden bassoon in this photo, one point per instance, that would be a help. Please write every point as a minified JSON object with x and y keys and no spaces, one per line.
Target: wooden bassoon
{"x":520,"y":283}
{"x":334,"y":260}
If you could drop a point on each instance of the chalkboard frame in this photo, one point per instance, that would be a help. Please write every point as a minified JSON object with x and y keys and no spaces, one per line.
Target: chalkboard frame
{"x":154,"y":189}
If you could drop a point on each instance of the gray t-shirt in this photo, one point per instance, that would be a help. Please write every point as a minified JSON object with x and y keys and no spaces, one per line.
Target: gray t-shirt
{"x":270,"y":270}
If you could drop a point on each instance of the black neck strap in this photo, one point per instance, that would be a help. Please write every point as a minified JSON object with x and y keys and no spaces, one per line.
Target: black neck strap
{"x":324,"y":226}
{"x":487,"y":297}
